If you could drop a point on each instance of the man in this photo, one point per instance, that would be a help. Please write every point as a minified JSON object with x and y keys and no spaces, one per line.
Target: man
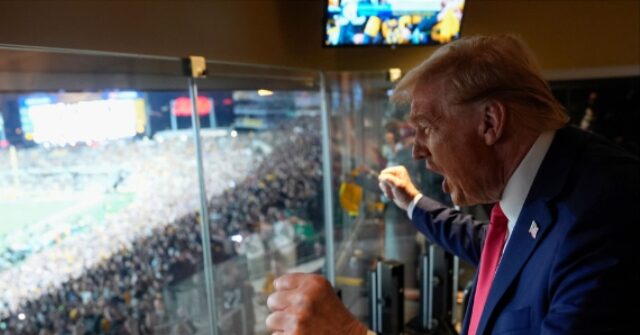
{"x":557,"y":257}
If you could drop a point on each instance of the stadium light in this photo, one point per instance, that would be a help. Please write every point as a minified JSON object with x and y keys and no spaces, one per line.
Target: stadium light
{"x":264,"y":93}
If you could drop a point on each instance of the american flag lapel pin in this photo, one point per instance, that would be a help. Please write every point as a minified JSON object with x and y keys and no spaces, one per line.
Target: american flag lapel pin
{"x":533,"y":229}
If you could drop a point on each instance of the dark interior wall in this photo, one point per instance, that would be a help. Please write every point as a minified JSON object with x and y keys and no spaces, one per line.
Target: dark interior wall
{"x":255,"y":31}
{"x":564,"y":34}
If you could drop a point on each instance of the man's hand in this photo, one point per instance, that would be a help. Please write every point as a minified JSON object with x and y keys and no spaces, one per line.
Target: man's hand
{"x":397,"y":186}
{"x":306,"y":304}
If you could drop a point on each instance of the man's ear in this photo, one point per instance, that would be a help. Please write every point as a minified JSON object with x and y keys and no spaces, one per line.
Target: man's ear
{"x":494,"y":121}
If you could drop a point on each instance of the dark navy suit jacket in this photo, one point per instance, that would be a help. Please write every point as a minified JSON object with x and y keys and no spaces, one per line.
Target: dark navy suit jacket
{"x":580,"y":274}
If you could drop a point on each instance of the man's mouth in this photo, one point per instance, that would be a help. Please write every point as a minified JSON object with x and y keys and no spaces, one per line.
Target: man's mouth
{"x":428,"y":165}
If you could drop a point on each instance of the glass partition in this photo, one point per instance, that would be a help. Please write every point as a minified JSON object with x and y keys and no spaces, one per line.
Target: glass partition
{"x":135,"y":199}
{"x":263,"y":174}
{"x":358,"y":104}
{"x":369,"y":133}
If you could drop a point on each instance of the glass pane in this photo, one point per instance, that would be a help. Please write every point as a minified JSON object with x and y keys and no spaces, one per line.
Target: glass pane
{"x":98,"y":195}
{"x":261,"y":145}
{"x":370,"y":134}
{"x":358,"y":104}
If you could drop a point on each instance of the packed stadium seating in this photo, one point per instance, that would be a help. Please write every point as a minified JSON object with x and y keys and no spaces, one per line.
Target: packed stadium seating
{"x":109,"y":277}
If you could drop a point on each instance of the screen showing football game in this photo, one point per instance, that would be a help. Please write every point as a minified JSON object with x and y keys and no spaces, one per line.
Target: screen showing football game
{"x":392,"y":22}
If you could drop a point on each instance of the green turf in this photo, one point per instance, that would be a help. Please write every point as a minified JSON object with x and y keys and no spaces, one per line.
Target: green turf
{"x":16,"y":215}
{"x":21,"y":214}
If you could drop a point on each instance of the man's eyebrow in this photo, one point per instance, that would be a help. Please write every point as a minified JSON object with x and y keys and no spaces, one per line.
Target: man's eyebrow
{"x":424,"y":120}
{"x":417,"y":119}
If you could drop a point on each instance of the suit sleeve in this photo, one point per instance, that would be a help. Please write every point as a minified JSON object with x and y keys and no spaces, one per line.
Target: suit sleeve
{"x":594,"y":280}
{"x":454,"y":231}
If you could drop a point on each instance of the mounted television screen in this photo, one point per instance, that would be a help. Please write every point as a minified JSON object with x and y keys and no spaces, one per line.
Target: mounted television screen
{"x":392,"y":22}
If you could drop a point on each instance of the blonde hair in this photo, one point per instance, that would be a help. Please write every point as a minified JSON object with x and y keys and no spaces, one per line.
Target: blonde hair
{"x":500,"y":67}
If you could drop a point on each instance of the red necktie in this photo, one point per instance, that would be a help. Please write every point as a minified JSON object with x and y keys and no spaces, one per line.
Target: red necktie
{"x":491,"y":252}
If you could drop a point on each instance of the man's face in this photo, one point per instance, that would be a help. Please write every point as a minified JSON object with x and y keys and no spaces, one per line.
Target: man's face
{"x":449,"y":138}
{"x":389,"y":138}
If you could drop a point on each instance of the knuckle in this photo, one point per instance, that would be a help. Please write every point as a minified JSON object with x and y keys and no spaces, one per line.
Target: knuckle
{"x":272,"y":301}
{"x":303,"y":301}
{"x":272,"y":321}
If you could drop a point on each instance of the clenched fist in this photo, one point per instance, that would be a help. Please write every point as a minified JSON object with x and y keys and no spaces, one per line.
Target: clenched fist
{"x":397,"y":186}
{"x":306,"y":304}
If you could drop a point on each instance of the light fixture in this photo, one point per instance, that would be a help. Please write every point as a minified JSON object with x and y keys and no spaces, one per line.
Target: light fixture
{"x":264,"y":93}
{"x":394,"y":74}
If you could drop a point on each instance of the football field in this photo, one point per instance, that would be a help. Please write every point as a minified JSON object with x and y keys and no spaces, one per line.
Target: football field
{"x":28,"y":215}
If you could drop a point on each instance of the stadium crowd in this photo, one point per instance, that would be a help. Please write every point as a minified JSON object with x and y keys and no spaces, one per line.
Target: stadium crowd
{"x":111,"y":279}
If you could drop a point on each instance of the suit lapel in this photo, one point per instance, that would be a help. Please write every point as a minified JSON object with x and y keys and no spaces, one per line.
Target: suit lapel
{"x":521,"y":245}
{"x":467,"y":313}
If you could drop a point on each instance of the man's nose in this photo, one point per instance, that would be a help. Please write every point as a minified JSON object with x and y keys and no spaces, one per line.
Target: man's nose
{"x":420,"y":151}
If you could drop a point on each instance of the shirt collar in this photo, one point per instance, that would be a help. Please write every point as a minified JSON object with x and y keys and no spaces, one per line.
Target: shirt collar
{"x":519,"y":184}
